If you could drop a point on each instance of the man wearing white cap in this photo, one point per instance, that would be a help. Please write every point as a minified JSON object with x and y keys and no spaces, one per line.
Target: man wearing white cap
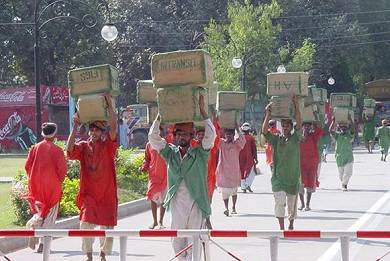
{"x":46,"y":170}
{"x":248,"y":159}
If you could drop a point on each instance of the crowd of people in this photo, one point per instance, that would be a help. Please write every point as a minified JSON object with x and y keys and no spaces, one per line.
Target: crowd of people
{"x":185,"y":169}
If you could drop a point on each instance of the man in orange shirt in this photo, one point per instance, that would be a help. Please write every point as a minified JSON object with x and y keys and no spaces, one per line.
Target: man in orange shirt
{"x":268,"y":147}
{"x":46,"y":170}
{"x":97,"y":198}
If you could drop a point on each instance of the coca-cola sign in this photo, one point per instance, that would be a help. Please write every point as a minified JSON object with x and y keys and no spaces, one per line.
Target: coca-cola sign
{"x":11,"y":126}
{"x":17,"y":96}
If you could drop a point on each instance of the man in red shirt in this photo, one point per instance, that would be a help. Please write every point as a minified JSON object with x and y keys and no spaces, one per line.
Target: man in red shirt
{"x":97,"y":198}
{"x":309,"y":159}
{"x":46,"y":170}
{"x":248,"y":159}
{"x":156,"y":167}
{"x":268,"y":147}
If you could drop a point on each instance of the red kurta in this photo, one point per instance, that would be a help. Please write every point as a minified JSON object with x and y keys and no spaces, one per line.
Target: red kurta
{"x":248,"y":155}
{"x":310,"y":158}
{"x":213,"y":160}
{"x":46,"y":170}
{"x":155,"y":165}
{"x":97,"y":198}
{"x":268,"y":147}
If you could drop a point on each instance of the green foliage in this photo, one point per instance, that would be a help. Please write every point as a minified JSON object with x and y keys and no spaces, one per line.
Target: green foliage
{"x":70,"y":188}
{"x":250,"y":35}
{"x":303,"y":57}
{"x":20,"y":206}
{"x":129,"y":176}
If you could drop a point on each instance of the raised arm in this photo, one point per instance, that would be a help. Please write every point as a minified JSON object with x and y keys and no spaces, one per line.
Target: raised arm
{"x":72,"y":136}
{"x":298,"y":117}
{"x":155,"y":140}
{"x":112,"y":117}
{"x":267,"y":118}
{"x":209,"y":130}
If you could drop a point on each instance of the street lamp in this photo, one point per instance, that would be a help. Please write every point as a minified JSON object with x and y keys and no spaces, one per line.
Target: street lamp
{"x":109,"y":33}
{"x":331,"y":81}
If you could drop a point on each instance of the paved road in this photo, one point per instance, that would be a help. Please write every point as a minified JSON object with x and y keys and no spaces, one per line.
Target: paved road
{"x":365,"y":206}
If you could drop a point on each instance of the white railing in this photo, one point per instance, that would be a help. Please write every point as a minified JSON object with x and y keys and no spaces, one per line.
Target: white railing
{"x":123,"y":234}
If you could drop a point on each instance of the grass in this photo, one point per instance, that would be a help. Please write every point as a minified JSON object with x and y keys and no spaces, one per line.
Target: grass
{"x":7,"y":214}
{"x":10,"y":165}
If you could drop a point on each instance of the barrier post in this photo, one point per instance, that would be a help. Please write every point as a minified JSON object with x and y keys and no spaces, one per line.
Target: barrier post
{"x":123,"y":248}
{"x":46,"y":240}
{"x":206,"y":248}
{"x":344,"y":241}
{"x":273,"y":243}
{"x":196,"y":248}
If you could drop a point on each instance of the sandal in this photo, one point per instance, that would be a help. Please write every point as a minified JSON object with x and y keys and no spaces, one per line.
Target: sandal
{"x":226,"y":212}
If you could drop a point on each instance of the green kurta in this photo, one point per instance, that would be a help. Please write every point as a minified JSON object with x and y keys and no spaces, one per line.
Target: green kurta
{"x":384,"y":138}
{"x":286,"y":172}
{"x":369,"y":129}
{"x":193,"y":170}
{"x":344,"y":154}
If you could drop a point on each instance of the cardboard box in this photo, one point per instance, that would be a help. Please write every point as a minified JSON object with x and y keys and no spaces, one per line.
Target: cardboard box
{"x":180,"y":104}
{"x":213,"y":93}
{"x":92,"y":108}
{"x":146,"y":93}
{"x":228,"y":100}
{"x":368,"y":111}
{"x":369,"y":103}
{"x":179,"y":68}
{"x":229,"y":119}
{"x":283,"y":107}
{"x":308,"y":113}
{"x":341,"y":114}
{"x":342,"y":100}
{"x":287,"y":83}
{"x":94,"y":79}
{"x":379,"y":89}
{"x":152,"y":113}
{"x":316,"y":95}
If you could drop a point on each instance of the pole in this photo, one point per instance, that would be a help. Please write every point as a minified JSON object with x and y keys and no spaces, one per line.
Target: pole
{"x":243,"y":79}
{"x":38,"y":118}
{"x":344,"y":242}
{"x":123,"y":246}
{"x":273,"y":245}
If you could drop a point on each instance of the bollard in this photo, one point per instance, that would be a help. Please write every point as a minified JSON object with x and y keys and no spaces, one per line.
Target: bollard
{"x":206,"y":248}
{"x":196,"y":248}
{"x":273,"y":244}
{"x":46,"y":248}
{"x":123,"y":248}
{"x":344,"y":241}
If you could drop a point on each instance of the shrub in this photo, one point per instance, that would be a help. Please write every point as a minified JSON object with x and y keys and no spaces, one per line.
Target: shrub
{"x":19,"y":191}
{"x":70,"y":188}
{"x":128,"y":174}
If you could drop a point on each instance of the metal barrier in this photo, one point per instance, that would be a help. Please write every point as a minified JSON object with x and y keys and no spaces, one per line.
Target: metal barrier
{"x":272,"y":235}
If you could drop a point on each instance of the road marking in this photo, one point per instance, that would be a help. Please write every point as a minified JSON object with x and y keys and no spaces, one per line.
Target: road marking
{"x":335,"y":248}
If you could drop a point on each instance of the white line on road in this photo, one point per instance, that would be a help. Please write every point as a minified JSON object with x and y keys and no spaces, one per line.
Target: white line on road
{"x":335,"y":248}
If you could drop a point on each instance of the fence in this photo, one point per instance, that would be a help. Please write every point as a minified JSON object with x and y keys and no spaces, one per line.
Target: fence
{"x":272,"y":235}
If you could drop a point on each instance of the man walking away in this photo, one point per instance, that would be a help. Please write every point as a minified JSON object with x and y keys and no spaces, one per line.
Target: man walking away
{"x":248,"y":159}
{"x":46,"y":171}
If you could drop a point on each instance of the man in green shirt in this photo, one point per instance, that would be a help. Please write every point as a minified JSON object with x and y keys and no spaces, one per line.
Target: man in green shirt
{"x":286,"y":172}
{"x":369,"y":132}
{"x":384,"y":139}
{"x":344,"y":156}
{"x":187,"y":197}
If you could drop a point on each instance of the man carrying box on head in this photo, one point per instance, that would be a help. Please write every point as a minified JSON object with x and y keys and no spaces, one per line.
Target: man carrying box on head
{"x":46,"y":170}
{"x":97,"y":198}
{"x":286,"y":171}
{"x":187,"y":197}
{"x":344,"y":156}
{"x":369,"y":132}
{"x":309,"y":161}
{"x":228,"y":169}
{"x":384,"y":139}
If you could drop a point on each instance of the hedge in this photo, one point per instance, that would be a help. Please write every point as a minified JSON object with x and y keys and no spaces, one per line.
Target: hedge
{"x":132,"y":184}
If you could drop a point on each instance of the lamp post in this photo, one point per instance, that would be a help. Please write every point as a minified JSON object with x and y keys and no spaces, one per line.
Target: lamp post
{"x":237,"y":63}
{"x":108,"y":32}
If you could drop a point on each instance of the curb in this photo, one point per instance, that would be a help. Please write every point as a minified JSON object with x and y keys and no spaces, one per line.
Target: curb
{"x":8,"y":245}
